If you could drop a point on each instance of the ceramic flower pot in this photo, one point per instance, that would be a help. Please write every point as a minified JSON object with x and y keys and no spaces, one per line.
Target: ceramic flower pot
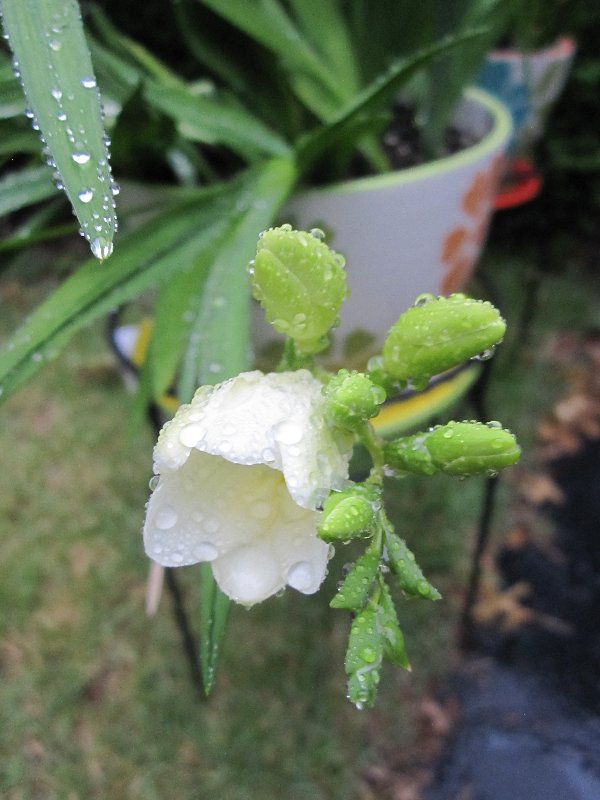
{"x":528,"y":84}
{"x":412,"y":231}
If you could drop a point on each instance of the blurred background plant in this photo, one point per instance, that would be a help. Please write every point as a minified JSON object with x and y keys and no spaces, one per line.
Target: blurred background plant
{"x":214,"y":149}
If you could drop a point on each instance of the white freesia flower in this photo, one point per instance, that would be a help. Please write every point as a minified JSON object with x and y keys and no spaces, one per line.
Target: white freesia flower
{"x":242,"y":471}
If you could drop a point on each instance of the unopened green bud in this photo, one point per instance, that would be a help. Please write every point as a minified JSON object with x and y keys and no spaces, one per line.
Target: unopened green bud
{"x":349,"y":514}
{"x":439,"y":333}
{"x":472,"y":448}
{"x":351,"y":399}
{"x":300,"y":283}
{"x":457,"y":448}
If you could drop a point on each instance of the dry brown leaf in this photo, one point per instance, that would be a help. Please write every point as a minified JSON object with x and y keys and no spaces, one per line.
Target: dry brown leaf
{"x":538,"y":488}
{"x":504,"y":607}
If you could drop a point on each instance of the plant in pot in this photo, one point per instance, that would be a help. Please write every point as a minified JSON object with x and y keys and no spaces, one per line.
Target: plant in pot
{"x":238,"y":159}
{"x":407,"y":192}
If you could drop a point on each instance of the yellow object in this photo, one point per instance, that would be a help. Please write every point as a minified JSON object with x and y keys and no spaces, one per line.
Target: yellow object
{"x":397,"y":416}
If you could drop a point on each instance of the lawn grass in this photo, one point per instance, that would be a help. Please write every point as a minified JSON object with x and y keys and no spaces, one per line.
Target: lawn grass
{"x":96,"y":699}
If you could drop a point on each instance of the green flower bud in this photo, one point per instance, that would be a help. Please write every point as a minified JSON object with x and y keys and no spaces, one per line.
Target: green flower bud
{"x":439,"y":333}
{"x":300,"y":283}
{"x":349,"y":514}
{"x":458,"y":448}
{"x":472,"y":448}
{"x":352,"y":398}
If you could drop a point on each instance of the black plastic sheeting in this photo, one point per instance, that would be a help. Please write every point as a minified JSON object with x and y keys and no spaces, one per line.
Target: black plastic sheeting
{"x":530,"y":702}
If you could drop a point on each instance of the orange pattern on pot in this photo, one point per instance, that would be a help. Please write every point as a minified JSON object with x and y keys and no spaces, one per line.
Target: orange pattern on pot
{"x":462,"y":245}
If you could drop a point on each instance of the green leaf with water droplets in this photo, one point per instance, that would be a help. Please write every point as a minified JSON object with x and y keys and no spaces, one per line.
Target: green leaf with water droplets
{"x":393,"y":638}
{"x":363,"y":657}
{"x":354,"y":592}
{"x":54,"y":63}
{"x":438,"y":333}
{"x":408,"y":573}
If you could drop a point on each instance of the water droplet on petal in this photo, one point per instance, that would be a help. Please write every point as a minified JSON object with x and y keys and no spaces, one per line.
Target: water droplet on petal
{"x":153,"y":482}
{"x":289,"y":432}
{"x":166,"y":518}
{"x":190,"y":435}
{"x":205,"y":551}
{"x":268,"y":455}
{"x":211,"y":525}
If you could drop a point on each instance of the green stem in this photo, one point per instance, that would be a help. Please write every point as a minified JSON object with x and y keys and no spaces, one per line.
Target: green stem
{"x":291,"y":359}
{"x":374,"y":446}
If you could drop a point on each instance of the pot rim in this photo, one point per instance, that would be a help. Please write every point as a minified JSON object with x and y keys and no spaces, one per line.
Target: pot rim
{"x":498,"y":136}
{"x":561,"y":48}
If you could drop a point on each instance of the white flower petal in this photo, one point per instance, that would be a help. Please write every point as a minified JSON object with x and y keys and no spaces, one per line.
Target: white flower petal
{"x":272,"y":419}
{"x":241,"y":471}
{"x":249,"y":574}
{"x":231,"y":515}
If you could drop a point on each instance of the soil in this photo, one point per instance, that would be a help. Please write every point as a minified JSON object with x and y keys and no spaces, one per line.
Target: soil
{"x":403,"y":142}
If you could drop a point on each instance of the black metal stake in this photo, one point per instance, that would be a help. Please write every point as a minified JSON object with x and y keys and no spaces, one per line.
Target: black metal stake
{"x":181,"y":619}
{"x":467,"y":625}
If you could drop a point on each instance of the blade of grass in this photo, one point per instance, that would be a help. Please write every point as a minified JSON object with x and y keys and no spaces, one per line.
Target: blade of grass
{"x":53,"y":59}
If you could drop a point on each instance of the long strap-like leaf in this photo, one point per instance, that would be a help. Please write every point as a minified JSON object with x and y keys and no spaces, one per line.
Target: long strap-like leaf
{"x":54,"y":64}
{"x":147,"y":256}
{"x":218,"y":347}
